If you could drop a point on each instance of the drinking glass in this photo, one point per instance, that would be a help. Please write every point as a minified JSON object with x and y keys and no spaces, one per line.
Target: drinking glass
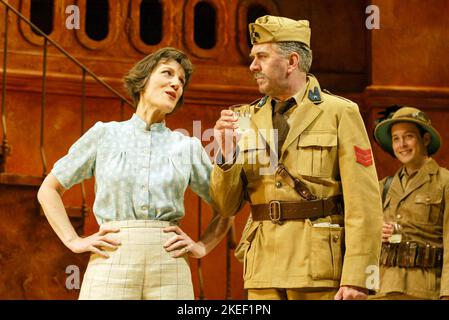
{"x":396,"y":237}
{"x":243,"y":121}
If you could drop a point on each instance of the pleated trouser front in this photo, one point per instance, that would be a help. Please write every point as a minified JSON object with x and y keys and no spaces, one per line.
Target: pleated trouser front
{"x":140,"y":268}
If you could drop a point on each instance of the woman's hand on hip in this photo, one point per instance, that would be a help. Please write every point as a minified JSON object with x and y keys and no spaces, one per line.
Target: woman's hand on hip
{"x":96,"y":241}
{"x":180,"y":244}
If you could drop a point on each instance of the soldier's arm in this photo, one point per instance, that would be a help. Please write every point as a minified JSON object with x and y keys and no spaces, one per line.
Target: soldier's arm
{"x":226,"y":187}
{"x":363,"y":211}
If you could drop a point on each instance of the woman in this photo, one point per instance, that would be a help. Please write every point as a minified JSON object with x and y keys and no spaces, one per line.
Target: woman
{"x":141,"y":170}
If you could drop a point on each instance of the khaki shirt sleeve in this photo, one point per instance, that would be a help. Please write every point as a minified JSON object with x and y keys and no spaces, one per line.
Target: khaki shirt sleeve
{"x":362,"y":200}
{"x":226,"y":189}
{"x":444,"y":291}
{"x":226,"y":185}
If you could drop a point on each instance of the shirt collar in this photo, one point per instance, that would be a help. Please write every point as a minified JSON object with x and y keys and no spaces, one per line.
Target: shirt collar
{"x":430,"y":166}
{"x":301,"y":93}
{"x":140,"y":125}
{"x":298,"y":97}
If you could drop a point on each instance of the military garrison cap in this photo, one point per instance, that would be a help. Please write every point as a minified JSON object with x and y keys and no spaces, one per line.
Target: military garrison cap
{"x":279,"y":29}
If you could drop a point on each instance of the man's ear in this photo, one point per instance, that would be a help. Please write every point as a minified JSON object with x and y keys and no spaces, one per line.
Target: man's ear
{"x":427,"y":138}
{"x":293,"y":62}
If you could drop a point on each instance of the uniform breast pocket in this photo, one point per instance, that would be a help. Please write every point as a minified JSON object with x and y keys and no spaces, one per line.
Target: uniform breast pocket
{"x":317,"y":154}
{"x":427,"y":208}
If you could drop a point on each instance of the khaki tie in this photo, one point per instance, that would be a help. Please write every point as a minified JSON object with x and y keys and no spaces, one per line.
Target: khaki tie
{"x":280,"y":123}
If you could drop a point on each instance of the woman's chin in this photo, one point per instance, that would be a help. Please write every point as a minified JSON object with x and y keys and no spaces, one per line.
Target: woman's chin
{"x":169,"y":108}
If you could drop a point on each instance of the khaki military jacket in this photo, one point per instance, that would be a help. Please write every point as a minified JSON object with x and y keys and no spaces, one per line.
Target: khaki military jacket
{"x":423,"y":212}
{"x":325,"y":132}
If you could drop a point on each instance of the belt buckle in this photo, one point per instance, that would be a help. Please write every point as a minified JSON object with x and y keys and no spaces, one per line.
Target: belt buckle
{"x":275,"y":212}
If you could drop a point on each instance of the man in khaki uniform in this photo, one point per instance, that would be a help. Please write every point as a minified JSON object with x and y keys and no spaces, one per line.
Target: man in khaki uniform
{"x":414,"y":262}
{"x":300,"y":242}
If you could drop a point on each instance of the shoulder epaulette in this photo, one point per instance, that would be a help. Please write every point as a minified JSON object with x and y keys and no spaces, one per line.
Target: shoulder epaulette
{"x":314,"y":95}
{"x":260,"y":102}
{"x":256,"y":103}
{"x":237,"y":106}
{"x":343,"y":98}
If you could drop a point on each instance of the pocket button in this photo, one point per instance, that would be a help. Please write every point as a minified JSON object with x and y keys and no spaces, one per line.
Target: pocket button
{"x":335,"y":238}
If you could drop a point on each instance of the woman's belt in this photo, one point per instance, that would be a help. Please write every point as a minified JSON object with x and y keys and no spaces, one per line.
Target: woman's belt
{"x":278,"y":211}
{"x":411,"y":255}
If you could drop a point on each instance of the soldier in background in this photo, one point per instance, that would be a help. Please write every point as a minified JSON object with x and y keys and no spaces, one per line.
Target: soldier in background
{"x":414,"y":262}
{"x":300,"y":243}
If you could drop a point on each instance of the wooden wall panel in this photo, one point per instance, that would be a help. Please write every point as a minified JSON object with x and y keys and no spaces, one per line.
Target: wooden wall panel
{"x":33,"y":262}
{"x":338,"y":41}
{"x":411,"y":48}
{"x":410,"y":66}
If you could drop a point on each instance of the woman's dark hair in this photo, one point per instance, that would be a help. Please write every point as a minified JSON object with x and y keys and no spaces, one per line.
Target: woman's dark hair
{"x":137,"y":78}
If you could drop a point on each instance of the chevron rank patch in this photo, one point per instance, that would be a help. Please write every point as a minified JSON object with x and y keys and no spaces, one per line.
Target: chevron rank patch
{"x":363,"y":156}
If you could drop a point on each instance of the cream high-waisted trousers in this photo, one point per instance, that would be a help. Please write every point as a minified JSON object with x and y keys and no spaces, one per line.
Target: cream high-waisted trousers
{"x":140,"y":268}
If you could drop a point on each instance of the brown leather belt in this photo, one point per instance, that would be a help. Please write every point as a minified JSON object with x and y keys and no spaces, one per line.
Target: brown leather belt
{"x":411,"y":255}
{"x":277,"y":211}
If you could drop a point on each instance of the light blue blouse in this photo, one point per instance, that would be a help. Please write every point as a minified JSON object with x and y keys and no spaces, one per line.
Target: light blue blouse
{"x":140,"y":173}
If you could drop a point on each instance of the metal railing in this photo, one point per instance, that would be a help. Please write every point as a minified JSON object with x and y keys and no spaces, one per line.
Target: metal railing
{"x":5,"y":148}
